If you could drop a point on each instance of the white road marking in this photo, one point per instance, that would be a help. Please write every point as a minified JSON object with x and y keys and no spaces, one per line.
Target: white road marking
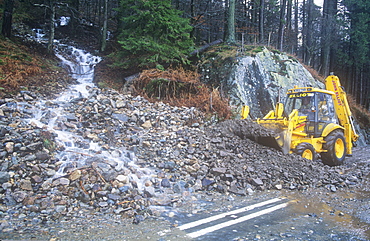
{"x":239,"y":220}
{"x":222,"y":215}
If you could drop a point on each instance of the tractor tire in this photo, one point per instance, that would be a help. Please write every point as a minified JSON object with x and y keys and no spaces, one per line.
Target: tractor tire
{"x":336,"y":149}
{"x":306,"y":150}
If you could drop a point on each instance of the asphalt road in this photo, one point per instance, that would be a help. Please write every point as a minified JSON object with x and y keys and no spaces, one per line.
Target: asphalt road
{"x":294,"y":217}
{"x":275,"y":215}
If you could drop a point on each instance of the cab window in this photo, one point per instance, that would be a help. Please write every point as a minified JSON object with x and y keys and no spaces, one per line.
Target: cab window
{"x":303,"y":102}
{"x":326,"y":112}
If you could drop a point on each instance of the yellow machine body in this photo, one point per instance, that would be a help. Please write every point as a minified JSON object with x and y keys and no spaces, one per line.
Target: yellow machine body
{"x":325,"y":127}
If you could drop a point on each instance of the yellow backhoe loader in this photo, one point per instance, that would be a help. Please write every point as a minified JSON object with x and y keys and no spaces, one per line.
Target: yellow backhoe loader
{"x":312,"y":122}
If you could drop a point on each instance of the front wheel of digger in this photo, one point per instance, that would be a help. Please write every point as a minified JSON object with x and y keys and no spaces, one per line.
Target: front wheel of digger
{"x":336,"y":149}
{"x":306,"y":150}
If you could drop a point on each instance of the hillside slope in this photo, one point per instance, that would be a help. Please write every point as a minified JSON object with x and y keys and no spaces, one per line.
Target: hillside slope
{"x":26,"y":66}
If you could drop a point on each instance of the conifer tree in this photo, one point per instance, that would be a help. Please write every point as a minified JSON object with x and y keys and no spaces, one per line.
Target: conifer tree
{"x":153,"y":33}
{"x":357,"y":50}
{"x":7,"y":18}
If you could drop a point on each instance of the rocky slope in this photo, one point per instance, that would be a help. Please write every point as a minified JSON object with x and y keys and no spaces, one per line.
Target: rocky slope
{"x":166,"y":155}
{"x":255,"y":78}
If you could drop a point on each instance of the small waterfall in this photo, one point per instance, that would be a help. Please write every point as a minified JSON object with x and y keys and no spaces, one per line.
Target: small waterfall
{"x":39,"y":35}
{"x":53,"y":115}
{"x":81,"y":67}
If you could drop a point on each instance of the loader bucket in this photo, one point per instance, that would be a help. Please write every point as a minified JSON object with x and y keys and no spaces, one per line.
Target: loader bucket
{"x":287,"y":138}
{"x":265,"y":132}
{"x":269,"y":141}
{"x":278,"y":138}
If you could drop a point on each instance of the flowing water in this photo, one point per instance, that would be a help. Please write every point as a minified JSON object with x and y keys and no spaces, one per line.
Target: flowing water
{"x":75,"y":151}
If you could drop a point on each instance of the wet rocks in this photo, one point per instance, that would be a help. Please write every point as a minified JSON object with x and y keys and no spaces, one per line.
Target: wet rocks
{"x":131,"y":154}
{"x":4,"y":177}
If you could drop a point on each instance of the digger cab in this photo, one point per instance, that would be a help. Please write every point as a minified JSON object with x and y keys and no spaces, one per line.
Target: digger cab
{"x":314,"y":104}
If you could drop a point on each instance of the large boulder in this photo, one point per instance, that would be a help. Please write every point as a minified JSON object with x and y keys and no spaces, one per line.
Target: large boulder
{"x":258,"y":80}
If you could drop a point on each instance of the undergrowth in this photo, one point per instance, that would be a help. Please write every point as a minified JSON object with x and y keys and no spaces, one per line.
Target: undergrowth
{"x":27,"y":66}
{"x":220,"y":53}
{"x":361,"y":114}
{"x":16,"y":64}
{"x":179,"y":87}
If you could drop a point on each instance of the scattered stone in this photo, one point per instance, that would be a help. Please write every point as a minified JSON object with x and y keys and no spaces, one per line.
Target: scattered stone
{"x":64,"y":181}
{"x":4,"y":177}
{"x":19,"y":196}
{"x":75,"y":175}
{"x":147,"y":124}
{"x":60,"y":208}
{"x":279,"y":186}
{"x":122,"y":178}
{"x":218,"y":170}
{"x":257,"y":182}
{"x":142,"y":154}
{"x":333,"y":188}
{"x":9,"y":147}
{"x":149,"y":191}
{"x":206,"y":182}
{"x":42,"y":155}
{"x":25,"y":185}
{"x":37,"y":179}
{"x":165,"y":183}
{"x":138,"y":219}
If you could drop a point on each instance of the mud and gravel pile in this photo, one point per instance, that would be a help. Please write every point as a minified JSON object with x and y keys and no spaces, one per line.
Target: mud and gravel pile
{"x":253,"y":166}
{"x":169,"y":155}
{"x":222,"y":158}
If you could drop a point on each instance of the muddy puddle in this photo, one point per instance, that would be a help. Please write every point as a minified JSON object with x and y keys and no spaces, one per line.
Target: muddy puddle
{"x":345,"y":213}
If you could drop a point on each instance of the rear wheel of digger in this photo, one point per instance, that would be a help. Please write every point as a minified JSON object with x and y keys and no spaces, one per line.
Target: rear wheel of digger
{"x":336,"y":149}
{"x":306,"y":150}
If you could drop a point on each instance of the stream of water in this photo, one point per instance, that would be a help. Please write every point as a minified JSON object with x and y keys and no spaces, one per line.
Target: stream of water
{"x":76,"y":151}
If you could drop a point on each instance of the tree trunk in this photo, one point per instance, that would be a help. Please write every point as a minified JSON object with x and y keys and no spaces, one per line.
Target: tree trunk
{"x":307,"y":29}
{"x":205,"y":47}
{"x":74,"y":17}
{"x":192,"y":19}
{"x":262,"y":21}
{"x":296,"y":31}
{"x":230,"y":34}
{"x":176,"y":4}
{"x":52,"y":27}
{"x":361,"y":88}
{"x":329,"y":12}
{"x":7,"y":18}
{"x":289,"y":16}
{"x":105,"y":26}
{"x":282,"y":25}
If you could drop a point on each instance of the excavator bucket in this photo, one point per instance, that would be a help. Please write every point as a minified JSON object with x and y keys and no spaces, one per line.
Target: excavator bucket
{"x":279,"y":139}
{"x":269,"y":141}
{"x":287,"y":139}
{"x":273,"y":130}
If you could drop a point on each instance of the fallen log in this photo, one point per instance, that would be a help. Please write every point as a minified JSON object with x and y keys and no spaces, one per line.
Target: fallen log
{"x":204,"y":47}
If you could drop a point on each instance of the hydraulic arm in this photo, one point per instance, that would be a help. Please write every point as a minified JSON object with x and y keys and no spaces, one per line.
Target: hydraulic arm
{"x":342,"y":109}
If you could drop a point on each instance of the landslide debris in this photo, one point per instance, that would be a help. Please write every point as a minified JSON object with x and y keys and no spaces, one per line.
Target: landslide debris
{"x":254,"y":166}
{"x":173,"y":154}
{"x":169,"y":155}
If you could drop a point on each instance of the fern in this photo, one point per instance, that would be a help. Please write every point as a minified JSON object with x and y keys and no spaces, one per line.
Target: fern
{"x":181,"y":88}
{"x":15,"y":65}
